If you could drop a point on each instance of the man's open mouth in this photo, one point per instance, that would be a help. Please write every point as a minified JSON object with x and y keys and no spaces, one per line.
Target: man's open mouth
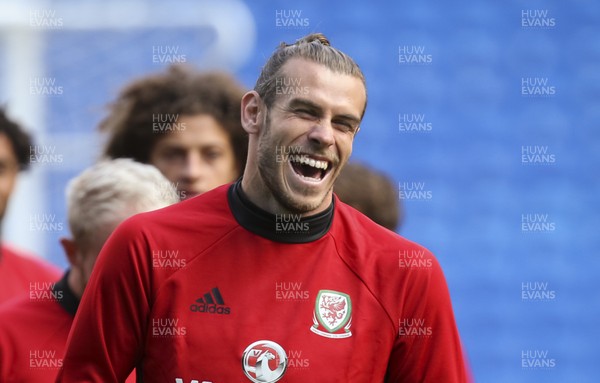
{"x":308,"y":167}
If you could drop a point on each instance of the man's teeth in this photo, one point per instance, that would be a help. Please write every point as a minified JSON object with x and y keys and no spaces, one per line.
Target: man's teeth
{"x":310,"y":162}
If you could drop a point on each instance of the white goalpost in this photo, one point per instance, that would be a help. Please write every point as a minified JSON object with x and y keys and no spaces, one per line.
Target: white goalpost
{"x":23,"y":29}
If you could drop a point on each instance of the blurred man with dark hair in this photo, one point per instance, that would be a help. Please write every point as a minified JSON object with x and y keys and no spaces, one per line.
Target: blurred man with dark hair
{"x":34,"y":329}
{"x":17,"y":269}
{"x":370,"y":192}
{"x":184,"y":122}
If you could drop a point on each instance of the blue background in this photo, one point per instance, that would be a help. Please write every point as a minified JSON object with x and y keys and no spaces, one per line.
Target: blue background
{"x":470,"y":161}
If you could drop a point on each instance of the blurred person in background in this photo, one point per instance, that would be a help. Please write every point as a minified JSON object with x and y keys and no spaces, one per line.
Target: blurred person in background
{"x":371,"y":192}
{"x":17,"y":269}
{"x":184,"y":122}
{"x":34,"y":329}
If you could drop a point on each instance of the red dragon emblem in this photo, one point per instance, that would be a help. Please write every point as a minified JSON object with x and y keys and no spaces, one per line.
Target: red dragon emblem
{"x":333,"y":313}
{"x":333,"y":308}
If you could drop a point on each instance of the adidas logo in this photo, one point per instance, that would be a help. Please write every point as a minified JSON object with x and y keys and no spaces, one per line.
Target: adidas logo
{"x":212,"y":303}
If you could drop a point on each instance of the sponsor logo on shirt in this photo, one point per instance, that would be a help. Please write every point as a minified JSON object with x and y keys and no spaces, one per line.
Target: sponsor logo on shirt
{"x":264,"y":361}
{"x":212,"y":303}
{"x":332,"y":316}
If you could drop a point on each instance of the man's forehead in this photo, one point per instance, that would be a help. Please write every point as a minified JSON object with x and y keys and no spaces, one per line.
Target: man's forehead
{"x":302,"y":79}
{"x":305,"y":68}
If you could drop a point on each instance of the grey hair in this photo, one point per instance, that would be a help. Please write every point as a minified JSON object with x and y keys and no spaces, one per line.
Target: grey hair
{"x":111,"y":191}
{"x":314,"y":47}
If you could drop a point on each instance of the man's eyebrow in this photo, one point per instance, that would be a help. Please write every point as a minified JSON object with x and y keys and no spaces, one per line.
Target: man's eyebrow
{"x":299,"y":102}
{"x":349,"y":117}
{"x":296,"y":102}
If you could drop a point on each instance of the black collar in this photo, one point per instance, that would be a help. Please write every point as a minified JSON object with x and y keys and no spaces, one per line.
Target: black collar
{"x":68,"y":301}
{"x":286,"y":228}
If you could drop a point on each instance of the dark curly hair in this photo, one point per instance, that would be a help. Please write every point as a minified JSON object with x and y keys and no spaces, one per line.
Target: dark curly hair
{"x":180,"y":91}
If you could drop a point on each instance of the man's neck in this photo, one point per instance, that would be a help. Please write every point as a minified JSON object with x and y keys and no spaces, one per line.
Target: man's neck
{"x":260,"y":195}
{"x":280,"y":227}
{"x":74,"y":283}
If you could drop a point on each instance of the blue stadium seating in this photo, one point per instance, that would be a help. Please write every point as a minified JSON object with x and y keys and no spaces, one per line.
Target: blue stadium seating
{"x":470,"y":160}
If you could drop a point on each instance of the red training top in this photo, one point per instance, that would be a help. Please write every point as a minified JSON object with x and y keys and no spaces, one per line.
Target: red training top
{"x":34,"y":331}
{"x":214,"y":289}
{"x":19,"y":271}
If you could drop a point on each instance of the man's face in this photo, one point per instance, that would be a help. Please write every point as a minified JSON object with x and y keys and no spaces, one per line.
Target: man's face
{"x":9,"y":169}
{"x":307,"y":134}
{"x":197,"y":158}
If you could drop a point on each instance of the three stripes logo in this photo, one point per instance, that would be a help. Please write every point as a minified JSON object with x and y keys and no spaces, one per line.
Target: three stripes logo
{"x":212,"y":303}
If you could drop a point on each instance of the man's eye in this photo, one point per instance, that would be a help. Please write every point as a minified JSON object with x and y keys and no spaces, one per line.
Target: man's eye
{"x":305,"y":112}
{"x":345,"y":126}
{"x":174,"y":154}
{"x":213,"y":155}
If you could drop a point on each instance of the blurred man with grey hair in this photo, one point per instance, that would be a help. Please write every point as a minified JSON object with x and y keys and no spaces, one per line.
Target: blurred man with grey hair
{"x":34,"y":329}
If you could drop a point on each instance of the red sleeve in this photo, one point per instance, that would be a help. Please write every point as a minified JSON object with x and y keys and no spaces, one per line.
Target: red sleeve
{"x":428,"y":347}
{"x":108,"y":332}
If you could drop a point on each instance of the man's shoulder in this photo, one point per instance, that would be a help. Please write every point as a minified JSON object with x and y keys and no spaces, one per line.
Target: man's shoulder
{"x":371,"y":248}
{"x":392,"y":267}
{"x":189,"y":226}
{"x":19,"y":261}
{"x":31,"y":313}
{"x":209,"y":209}
{"x":360,"y":229}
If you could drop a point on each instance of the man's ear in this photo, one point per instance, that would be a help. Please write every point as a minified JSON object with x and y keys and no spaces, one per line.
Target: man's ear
{"x":252,"y":112}
{"x":71,"y":251}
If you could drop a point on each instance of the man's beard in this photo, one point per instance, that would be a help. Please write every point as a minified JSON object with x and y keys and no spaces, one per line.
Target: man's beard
{"x":268,"y":170}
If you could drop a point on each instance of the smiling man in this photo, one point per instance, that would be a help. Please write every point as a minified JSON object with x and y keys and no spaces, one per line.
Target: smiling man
{"x":271,"y":278}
